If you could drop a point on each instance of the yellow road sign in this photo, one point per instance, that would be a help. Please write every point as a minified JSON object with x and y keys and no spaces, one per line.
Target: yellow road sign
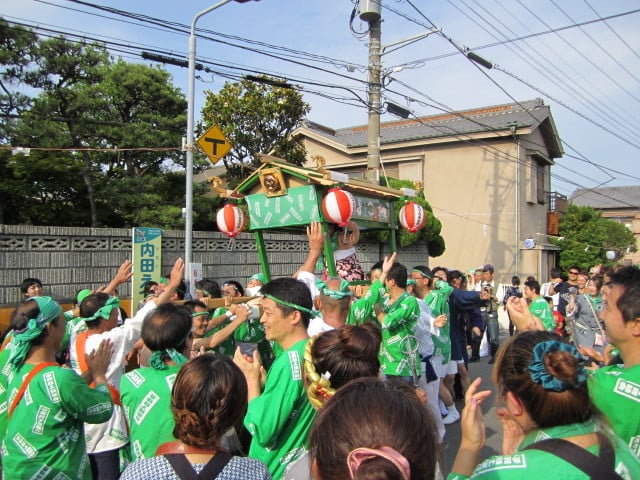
{"x":214,"y":143}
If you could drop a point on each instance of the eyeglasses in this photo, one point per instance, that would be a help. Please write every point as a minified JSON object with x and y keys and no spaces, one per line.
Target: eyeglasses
{"x":573,"y":272}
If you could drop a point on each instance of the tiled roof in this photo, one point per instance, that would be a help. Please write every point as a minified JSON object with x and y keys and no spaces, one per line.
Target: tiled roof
{"x":529,"y":113}
{"x":607,"y":197}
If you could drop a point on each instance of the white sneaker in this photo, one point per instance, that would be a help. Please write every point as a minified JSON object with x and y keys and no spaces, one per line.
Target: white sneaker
{"x":452,"y":417}
{"x":444,"y":411}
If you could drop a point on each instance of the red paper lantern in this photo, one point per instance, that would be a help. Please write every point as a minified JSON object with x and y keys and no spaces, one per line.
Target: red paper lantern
{"x":338,"y":206}
{"x":230,"y":220}
{"x":412,"y":217}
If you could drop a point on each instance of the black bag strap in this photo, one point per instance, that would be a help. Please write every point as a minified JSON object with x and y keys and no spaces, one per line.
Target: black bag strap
{"x":598,"y":467}
{"x":185,"y":470}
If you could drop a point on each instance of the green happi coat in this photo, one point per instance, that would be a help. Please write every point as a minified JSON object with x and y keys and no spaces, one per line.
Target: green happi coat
{"x":280,"y":418}
{"x":615,"y":390}
{"x":541,"y":309}
{"x":436,"y":299}
{"x":362,"y":309}
{"x":399,"y":321}
{"x":5,"y":371}
{"x":146,"y":398}
{"x":45,"y":435}
{"x":534,"y":464}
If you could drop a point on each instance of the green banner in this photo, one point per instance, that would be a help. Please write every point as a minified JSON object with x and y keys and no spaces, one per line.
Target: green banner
{"x":147,"y":261}
{"x":299,"y":206}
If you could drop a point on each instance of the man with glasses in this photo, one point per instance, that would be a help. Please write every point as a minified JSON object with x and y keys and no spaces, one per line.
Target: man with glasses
{"x":565,"y":289}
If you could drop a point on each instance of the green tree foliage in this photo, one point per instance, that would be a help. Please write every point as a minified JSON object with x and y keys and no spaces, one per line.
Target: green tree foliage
{"x":585,"y":237}
{"x":429,"y":234}
{"x":256,"y":118}
{"x":15,"y":55}
{"x":85,"y":106}
{"x":156,"y":200}
{"x":147,"y":110}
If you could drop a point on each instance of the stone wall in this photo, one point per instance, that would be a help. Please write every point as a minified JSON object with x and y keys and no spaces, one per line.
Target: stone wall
{"x":68,"y":259}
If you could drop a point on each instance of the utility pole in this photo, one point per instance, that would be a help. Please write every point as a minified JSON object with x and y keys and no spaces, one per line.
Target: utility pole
{"x":370,"y":12}
{"x":375,"y":87}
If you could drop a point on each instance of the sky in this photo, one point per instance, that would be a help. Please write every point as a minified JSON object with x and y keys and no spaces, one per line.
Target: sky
{"x":582,"y":57}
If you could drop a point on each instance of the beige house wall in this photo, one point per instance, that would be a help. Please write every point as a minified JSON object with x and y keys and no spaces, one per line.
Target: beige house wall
{"x":471,"y":187}
{"x":632,"y":258}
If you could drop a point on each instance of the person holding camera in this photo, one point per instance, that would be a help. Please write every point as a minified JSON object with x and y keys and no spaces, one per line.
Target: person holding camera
{"x":490,"y":312}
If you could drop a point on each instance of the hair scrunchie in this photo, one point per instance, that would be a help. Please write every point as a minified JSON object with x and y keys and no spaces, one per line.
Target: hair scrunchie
{"x":359,"y":455}
{"x":540,"y":374}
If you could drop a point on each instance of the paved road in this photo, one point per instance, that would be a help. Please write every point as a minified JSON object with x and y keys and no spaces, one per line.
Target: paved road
{"x":494,"y":437}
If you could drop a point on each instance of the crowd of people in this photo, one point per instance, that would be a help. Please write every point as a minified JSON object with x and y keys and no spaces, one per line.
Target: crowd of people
{"x":315,"y":378}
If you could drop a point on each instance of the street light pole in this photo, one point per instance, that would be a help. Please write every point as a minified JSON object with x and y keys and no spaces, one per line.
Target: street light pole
{"x":188,"y":225}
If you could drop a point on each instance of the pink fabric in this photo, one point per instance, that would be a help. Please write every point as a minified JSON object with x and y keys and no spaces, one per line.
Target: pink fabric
{"x":359,"y":455}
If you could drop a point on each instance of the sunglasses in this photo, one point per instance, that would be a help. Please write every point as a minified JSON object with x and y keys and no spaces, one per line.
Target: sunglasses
{"x":573,"y":273}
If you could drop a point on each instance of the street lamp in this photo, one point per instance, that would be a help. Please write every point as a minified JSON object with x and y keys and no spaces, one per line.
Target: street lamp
{"x":188,"y":226}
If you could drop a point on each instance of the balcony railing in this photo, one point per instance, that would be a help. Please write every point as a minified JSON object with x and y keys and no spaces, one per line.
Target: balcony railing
{"x":557,"y":203}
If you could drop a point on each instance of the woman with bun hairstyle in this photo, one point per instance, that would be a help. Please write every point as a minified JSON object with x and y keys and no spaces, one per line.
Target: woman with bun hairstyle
{"x":335,"y":357}
{"x":551,"y":428}
{"x":331,"y":360}
{"x":209,"y":397}
{"x":374,"y":429}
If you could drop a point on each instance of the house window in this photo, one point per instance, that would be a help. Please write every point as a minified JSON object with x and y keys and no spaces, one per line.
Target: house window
{"x":536,"y":181}
{"x":540,"y":183}
{"x":388,"y":169}
{"x":353,"y":172}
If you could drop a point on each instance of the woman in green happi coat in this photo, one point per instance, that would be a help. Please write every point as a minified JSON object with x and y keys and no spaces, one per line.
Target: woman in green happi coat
{"x":550,"y":426}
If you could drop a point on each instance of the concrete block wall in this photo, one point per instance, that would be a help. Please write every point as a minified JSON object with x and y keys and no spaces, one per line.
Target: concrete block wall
{"x":69,"y":259}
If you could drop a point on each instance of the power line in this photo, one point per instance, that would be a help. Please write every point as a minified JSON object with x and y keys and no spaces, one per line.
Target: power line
{"x":334,"y":97}
{"x":544,"y":67}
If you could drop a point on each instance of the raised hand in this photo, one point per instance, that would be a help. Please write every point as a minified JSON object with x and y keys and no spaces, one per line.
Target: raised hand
{"x":472,"y":419}
{"x":98,"y":361}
